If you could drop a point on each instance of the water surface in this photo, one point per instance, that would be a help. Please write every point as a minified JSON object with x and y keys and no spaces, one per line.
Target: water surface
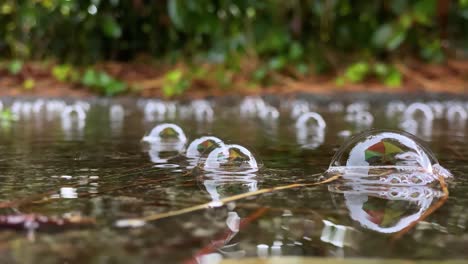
{"x":98,"y":168}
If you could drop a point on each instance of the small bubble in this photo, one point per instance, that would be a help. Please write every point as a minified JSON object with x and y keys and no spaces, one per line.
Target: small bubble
{"x":166,"y":134}
{"x":231,"y":159}
{"x":202,"y":147}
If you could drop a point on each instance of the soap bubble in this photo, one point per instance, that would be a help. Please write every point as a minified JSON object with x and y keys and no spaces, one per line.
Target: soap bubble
{"x":154,"y":111}
{"x":166,"y":141}
{"x":203,"y":111}
{"x":386,"y":157}
{"x":269,"y":113}
{"x":358,"y":113}
{"x":73,"y":121}
{"x":299,"y":107}
{"x":394,"y":108}
{"x":116,"y":113}
{"x":413,"y":109}
{"x":437,"y":108}
{"x":231,"y":159}
{"x":310,"y":130}
{"x":202,"y":147}
{"x":457,"y":113}
{"x":250,"y":106}
{"x":166,"y":134}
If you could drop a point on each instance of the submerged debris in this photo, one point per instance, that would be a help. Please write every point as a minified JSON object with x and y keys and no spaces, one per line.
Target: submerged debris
{"x":41,"y":222}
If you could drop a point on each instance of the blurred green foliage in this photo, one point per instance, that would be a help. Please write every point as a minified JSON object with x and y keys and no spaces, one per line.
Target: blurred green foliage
{"x":297,"y":35}
{"x":102,"y":82}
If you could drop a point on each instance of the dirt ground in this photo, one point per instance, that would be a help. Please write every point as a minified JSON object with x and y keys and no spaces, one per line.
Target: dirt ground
{"x":449,"y":77}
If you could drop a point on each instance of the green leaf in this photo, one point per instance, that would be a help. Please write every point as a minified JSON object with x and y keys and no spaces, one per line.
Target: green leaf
{"x":89,"y":78}
{"x":29,"y":84}
{"x":396,"y":40}
{"x":15,"y":67}
{"x":357,"y":72}
{"x":61,"y":72}
{"x":260,"y":74}
{"x":381,"y":69}
{"x":277,"y":63}
{"x":295,"y":51}
{"x":424,"y":11}
{"x":103,"y":79}
{"x":393,"y":78}
{"x":115,"y":87}
{"x":174,"y":76}
{"x":110,"y":27}
{"x":382,"y":35}
{"x":302,"y":68}
{"x":340,"y":81}
{"x":174,"y":11}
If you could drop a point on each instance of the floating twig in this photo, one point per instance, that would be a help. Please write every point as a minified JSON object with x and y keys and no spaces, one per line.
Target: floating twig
{"x":233,"y":198}
{"x":430,"y":210}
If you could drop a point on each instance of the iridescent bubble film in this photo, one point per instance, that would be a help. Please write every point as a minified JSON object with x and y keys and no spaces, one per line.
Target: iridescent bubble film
{"x":385,"y":157}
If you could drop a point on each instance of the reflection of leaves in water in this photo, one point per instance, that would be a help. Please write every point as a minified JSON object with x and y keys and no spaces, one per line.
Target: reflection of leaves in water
{"x":382,"y":152}
{"x":231,"y":189}
{"x":235,"y":158}
{"x":206,"y":146}
{"x":168,"y":133}
{"x":386,"y":213}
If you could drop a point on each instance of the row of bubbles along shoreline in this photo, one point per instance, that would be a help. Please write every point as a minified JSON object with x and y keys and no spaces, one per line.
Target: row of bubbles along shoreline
{"x":310,"y":118}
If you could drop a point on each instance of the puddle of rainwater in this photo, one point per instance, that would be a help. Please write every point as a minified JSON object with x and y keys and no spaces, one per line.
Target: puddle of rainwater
{"x":74,"y":160}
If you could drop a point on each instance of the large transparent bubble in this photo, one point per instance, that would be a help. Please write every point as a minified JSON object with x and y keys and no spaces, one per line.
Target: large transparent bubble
{"x":386,"y":157}
{"x":231,"y":159}
{"x":166,"y":134}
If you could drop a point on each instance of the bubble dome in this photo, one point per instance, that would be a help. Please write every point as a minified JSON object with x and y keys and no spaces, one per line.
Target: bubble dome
{"x":231,"y":159}
{"x":386,"y":157}
{"x":202,"y":147}
{"x":166,"y":134}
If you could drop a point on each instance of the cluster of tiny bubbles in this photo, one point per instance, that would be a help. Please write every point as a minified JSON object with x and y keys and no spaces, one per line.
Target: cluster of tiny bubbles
{"x":165,"y":141}
{"x":386,"y":158}
{"x":310,"y":130}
